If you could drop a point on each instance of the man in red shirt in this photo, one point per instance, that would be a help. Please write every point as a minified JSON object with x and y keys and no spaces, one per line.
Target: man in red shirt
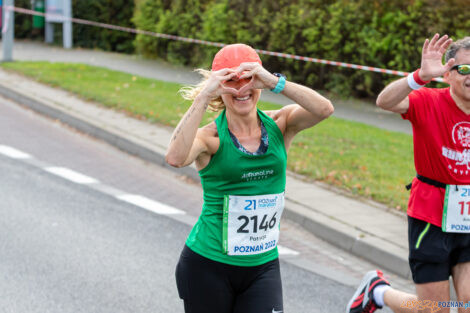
{"x":439,"y":204}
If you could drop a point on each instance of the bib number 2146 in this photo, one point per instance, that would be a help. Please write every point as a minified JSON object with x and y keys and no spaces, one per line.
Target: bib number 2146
{"x":251,"y":223}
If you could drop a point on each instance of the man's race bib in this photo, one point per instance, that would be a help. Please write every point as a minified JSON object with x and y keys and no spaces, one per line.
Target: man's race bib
{"x":251,"y":223}
{"x":456,"y":215}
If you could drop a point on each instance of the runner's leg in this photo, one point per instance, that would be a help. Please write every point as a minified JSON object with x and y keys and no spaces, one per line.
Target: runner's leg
{"x":262,"y":293}
{"x":430,"y":262}
{"x":461,"y":276}
{"x":397,"y":300}
{"x":203,"y":284}
{"x":434,"y":291}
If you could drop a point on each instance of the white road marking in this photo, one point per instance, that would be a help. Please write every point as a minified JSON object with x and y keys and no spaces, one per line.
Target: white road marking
{"x":150,"y":205}
{"x":140,"y":201}
{"x":286,"y":251}
{"x":13,"y":153}
{"x":71,"y":175}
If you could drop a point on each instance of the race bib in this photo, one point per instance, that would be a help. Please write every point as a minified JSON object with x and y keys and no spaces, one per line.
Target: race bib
{"x":251,"y":223}
{"x":456,"y":215}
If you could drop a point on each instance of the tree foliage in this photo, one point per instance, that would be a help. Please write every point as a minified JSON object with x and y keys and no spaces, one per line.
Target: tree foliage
{"x":386,"y":34}
{"x":115,"y":12}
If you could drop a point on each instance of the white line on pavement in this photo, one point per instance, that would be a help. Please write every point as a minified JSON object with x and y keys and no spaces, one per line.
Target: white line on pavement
{"x":138,"y":200}
{"x":286,"y":251}
{"x":13,"y":153}
{"x":150,"y":205}
{"x":71,"y":175}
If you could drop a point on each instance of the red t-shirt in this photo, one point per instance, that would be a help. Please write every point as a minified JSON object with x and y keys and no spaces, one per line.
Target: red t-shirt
{"x":441,"y":139}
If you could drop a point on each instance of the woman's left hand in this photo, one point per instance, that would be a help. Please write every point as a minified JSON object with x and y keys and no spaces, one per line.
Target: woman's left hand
{"x":260,"y":77}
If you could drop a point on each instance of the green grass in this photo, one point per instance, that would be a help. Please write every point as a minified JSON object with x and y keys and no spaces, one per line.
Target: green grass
{"x":368,"y":161}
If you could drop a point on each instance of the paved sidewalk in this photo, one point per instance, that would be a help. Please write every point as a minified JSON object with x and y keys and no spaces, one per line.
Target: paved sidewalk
{"x":362,"y":228}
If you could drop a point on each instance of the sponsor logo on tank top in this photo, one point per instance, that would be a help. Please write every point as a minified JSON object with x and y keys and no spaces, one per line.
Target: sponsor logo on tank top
{"x":256,"y":175}
{"x":461,"y":159}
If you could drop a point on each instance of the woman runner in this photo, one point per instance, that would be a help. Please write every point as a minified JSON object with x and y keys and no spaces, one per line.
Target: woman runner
{"x":230,"y":260}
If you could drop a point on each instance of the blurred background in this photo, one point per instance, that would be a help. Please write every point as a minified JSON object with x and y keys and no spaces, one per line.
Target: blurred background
{"x":385,"y":34}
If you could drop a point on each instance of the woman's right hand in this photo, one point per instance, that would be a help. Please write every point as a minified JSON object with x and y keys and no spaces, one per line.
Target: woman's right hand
{"x":215,"y":87}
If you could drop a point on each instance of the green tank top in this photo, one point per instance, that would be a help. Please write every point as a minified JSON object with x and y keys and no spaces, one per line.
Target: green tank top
{"x":232,"y":172}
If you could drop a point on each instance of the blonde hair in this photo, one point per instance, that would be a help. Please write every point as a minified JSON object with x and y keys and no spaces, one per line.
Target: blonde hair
{"x":190,"y":92}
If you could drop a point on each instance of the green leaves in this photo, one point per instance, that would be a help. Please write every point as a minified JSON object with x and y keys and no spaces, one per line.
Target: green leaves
{"x":116,"y":12}
{"x":386,"y":34}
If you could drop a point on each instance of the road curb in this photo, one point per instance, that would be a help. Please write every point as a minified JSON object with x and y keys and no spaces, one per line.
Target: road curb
{"x":95,"y":131}
{"x":349,"y":239}
{"x":340,"y":235}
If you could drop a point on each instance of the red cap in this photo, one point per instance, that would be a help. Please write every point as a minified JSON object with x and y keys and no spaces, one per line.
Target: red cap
{"x":233,"y":55}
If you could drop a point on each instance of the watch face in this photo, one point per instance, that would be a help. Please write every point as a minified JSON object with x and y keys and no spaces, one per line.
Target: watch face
{"x":279,"y":75}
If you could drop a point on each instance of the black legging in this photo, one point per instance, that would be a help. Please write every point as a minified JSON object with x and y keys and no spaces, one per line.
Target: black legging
{"x":208,"y":286}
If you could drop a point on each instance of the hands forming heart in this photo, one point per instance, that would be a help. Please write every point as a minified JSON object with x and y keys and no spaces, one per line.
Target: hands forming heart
{"x":230,"y":81}
{"x":236,"y":86}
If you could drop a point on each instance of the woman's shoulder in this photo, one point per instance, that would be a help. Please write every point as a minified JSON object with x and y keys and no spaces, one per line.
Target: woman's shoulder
{"x":281,"y":113}
{"x":279,"y":117}
{"x":209,"y":130}
{"x":210,"y":136}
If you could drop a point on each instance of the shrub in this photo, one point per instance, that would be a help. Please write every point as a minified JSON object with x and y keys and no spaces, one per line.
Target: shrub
{"x":115,"y":12}
{"x":386,"y":34}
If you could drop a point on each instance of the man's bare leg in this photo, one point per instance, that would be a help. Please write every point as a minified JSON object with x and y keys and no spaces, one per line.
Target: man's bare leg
{"x":461,"y":276}
{"x":402,"y":302}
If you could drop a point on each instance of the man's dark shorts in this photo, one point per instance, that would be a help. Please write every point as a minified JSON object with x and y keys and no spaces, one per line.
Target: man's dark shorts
{"x":433,"y":253}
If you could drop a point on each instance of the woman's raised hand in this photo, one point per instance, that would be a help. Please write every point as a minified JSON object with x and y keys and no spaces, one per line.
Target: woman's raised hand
{"x":215,"y":87}
{"x":260,"y":77}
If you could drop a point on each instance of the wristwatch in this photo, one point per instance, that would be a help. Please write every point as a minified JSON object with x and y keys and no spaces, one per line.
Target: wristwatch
{"x":281,"y":83}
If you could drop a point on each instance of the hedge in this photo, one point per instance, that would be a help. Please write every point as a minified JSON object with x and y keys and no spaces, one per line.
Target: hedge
{"x":387,"y":34}
{"x":115,"y":12}
{"x":23,"y":23}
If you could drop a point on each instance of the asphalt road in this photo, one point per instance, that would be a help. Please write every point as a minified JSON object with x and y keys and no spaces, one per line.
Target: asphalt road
{"x":67,"y":248}
{"x":76,"y":247}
